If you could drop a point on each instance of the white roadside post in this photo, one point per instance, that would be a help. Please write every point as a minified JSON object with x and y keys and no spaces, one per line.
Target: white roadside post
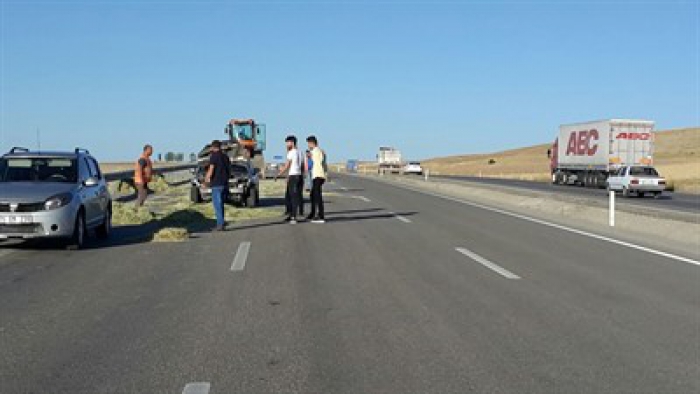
{"x":427,"y":174}
{"x":612,"y":208}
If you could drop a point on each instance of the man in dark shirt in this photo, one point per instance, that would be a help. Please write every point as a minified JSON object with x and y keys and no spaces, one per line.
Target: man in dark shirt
{"x":217,"y":177}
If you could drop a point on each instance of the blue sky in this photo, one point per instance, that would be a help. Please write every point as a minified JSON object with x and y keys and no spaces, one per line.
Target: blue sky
{"x":431,"y":78}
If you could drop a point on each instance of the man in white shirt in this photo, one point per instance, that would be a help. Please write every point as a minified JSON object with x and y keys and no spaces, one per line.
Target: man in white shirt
{"x":295,"y":180}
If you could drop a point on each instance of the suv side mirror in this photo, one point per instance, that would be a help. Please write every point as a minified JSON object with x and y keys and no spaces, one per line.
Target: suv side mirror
{"x":90,"y":182}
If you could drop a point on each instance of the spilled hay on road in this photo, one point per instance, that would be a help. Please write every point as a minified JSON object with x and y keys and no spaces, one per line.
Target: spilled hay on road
{"x":170,"y":216}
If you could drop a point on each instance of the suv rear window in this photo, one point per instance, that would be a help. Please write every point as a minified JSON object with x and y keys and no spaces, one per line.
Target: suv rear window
{"x":38,"y":169}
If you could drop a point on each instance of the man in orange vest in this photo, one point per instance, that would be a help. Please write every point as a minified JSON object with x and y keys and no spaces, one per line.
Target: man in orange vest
{"x":143,"y":174}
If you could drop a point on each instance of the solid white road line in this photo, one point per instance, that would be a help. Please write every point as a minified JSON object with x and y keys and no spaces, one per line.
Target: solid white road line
{"x":401,"y":218}
{"x":241,"y":257}
{"x":487,"y":264}
{"x":558,"y":226}
{"x":197,"y":388}
{"x":363,"y":198}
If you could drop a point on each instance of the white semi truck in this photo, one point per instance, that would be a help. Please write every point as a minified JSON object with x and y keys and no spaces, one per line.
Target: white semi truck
{"x":389,"y":160}
{"x":587,"y":153}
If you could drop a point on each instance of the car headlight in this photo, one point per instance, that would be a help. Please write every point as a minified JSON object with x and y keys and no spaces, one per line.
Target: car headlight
{"x":58,"y":201}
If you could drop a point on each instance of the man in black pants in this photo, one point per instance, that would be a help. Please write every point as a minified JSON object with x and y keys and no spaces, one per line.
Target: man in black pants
{"x":318,"y":176}
{"x":295,"y":180}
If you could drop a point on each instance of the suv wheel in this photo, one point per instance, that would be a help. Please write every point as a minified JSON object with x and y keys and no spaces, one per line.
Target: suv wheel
{"x":195,"y":195}
{"x":77,"y":240}
{"x":105,"y":228}
{"x":252,"y":200}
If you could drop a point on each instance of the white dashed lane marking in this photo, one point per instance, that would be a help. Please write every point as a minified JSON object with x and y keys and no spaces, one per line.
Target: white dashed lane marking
{"x":492,"y":266}
{"x":241,"y":257}
{"x":197,"y":388}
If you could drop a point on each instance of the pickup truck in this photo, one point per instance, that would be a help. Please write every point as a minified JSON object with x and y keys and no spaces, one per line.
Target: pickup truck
{"x":639,"y":180}
{"x":244,"y":185}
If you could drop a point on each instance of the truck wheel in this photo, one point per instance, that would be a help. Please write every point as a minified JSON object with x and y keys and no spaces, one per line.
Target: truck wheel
{"x":252,"y":200}
{"x":195,"y":195}
{"x":77,"y":240}
{"x":561,"y":179}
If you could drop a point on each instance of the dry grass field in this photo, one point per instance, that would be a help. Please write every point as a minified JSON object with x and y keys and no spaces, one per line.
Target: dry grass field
{"x":677,"y":157}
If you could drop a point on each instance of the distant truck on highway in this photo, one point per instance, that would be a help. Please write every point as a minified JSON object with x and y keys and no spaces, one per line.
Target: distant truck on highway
{"x":352,"y":166}
{"x":389,"y":160}
{"x":586,"y":154}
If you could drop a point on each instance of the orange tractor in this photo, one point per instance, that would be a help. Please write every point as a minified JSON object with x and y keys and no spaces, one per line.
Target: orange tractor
{"x":248,"y":135}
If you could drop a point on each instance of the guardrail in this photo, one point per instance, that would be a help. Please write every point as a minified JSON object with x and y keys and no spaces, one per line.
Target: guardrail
{"x":119,"y":175}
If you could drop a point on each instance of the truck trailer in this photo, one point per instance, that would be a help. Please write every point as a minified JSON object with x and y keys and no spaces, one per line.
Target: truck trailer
{"x":585,"y":154}
{"x":389,"y":160}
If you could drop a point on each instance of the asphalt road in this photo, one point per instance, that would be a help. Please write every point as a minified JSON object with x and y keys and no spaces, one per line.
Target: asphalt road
{"x":400,"y":292}
{"x":685,"y":203}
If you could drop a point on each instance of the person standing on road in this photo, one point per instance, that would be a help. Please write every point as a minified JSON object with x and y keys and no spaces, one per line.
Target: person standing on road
{"x":143,"y":173}
{"x":217,"y":178}
{"x":295,"y":180}
{"x":308,"y":167}
{"x":318,"y":174}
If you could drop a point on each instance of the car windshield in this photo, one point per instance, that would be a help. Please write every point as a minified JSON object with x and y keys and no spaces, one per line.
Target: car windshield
{"x":38,"y":169}
{"x":643,"y":171}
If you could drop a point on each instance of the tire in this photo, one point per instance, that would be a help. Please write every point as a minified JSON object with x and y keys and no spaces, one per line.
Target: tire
{"x":252,"y":199}
{"x":77,"y":240}
{"x":560,"y":179}
{"x":195,"y":195}
{"x":105,"y":229}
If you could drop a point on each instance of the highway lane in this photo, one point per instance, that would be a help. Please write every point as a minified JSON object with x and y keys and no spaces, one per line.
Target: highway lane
{"x":366,"y":303}
{"x":686,"y":203}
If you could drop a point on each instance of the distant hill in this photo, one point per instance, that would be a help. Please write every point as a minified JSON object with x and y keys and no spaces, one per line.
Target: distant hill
{"x":677,"y":157}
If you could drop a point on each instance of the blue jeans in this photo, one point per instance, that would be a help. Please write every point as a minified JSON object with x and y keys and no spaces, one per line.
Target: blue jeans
{"x":217,"y":198}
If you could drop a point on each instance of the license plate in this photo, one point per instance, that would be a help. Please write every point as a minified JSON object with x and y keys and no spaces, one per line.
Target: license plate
{"x":648,"y":182}
{"x":15,"y":219}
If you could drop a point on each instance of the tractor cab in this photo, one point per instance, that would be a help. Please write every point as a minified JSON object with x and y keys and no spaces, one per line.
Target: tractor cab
{"x":248,"y":134}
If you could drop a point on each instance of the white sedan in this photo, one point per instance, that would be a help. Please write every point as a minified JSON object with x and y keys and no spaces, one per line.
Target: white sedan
{"x":640,"y":180}
{"x":413,"y":168}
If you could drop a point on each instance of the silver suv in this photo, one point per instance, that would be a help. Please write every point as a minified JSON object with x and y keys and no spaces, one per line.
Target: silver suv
{"x":53,"y":195}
